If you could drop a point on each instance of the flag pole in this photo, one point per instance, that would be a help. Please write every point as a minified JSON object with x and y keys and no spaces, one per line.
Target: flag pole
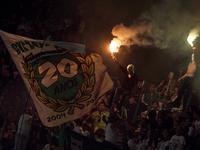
{"x":29,"y":131}
{"x":138,"y":103}
{"x":3,"y":129}
{"x":113,"y":101}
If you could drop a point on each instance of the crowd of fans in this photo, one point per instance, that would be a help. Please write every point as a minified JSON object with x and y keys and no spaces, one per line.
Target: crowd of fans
{"x":146,"y":120}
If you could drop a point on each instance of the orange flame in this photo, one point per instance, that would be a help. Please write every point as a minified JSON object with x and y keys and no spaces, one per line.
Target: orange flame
{"x":114,"y":45}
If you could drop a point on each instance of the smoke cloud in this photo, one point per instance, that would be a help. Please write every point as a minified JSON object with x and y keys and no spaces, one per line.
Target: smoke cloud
{"x":165,"y":25}
{"x":195,"y":32}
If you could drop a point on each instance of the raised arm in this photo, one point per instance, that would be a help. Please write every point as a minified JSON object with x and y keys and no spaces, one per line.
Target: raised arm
{"x":124,"y":70}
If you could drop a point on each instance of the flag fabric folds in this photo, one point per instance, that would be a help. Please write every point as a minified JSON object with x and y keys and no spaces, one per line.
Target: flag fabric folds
{"x":65,"y":82}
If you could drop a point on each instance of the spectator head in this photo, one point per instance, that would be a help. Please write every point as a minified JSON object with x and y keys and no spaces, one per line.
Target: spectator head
{"x":9,"y":115}
{"x":149,"y":134}
{"x":188,"y":115}
{"x":130,"y":69}
{"x":90,"y":122}
{"x":179,"y":130}
{"x":160,"y":114}
{"x":129,"y":134}
{"x":6,"y":71}
{"x":12,"y":125}
{"x":165,"y":134}
{"x":86,"y":127}
{"x":161,"y":121}
{"x":140,"y":84}
{"x":99,"y":134}
{"x":155,"y":105}
{"x":101,"y":106}
{"x":188,"y":122}
{"x":180,"y":118}
{"x":197,"y":115}
{"x":132,"y":100}
{"x":56,"y":129}
{"x":144,"y":122}
{"x":152,"y":115}
{"x":29,"y":110}
{"x":78,"y":122}
{"x":152,"y":88}
{"x":173,"y":85}
{"x":21,"y":32}
{"x":176,"y":124}
{"x":10,"y":133}
{"x":141,"y":136}
{"x":191,"y":109}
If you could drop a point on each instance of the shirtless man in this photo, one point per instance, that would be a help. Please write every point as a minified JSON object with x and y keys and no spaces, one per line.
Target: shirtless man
{"x":187,"y":85}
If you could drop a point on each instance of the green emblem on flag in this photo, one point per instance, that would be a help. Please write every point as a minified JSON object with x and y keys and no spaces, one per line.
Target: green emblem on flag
{"x":61,"y":81}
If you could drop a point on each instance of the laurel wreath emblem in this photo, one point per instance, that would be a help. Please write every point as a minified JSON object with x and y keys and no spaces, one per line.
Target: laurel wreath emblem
{"x":83,"y":94}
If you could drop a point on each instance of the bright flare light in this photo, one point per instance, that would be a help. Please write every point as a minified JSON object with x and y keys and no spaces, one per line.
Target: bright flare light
{"x":190,"y":39}
{"x":114,"y":45}
{"x":192,"y":36}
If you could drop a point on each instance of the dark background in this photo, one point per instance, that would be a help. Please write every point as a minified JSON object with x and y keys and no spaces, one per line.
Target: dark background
{"x":175,"y":18}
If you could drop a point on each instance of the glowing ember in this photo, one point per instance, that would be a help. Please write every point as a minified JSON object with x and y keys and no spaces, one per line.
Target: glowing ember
{"x":114,"y":45}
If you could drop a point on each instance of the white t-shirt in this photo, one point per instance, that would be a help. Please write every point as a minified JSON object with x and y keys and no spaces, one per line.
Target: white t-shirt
{"x":176,"y":142}
{"x":99,"y":140}
{"x":197,"y":126}
{"x":162,"y":144}
{"x":191,"y":131}
{"x":47,"y":147}
{"x":130,"y":143}
{"x":86,"y":133}
{"x":24,"y":124}
{"x":78,"y":129}
{"x":141,"y":145}
{"x":110,"y":134}
{"x":149,"y":147}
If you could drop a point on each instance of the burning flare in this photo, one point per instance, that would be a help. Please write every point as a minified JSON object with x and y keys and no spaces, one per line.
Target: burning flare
{"x":114,"y":45}
{"x":192,"y":36}
{"x":190,"y":39}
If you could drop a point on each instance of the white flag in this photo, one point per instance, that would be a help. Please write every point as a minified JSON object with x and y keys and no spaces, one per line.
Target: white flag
{"x":65,"y":83}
